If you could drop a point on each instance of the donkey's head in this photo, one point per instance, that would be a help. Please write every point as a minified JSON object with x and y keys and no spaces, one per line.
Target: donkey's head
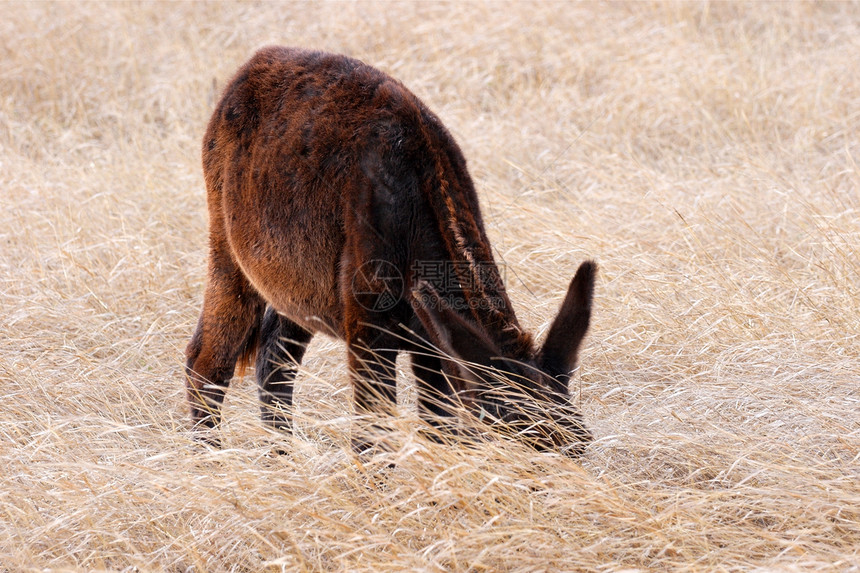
{"x":523,"y":395}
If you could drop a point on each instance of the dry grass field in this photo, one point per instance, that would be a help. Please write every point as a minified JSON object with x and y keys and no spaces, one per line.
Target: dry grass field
{"x":706,"y":154}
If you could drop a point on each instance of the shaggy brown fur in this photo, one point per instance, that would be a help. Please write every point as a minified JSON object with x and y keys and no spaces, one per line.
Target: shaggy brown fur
{"x":338,"y":203}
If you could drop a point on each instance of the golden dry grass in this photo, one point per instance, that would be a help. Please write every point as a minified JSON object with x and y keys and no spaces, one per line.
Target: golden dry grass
{"x":705,"y":154}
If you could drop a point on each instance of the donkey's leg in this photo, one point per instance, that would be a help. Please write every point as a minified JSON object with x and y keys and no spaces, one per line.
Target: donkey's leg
{"x":375,"y":381}
{"x":226,"y":329}
{"x":435,"y":395}
{"x":372,"y":358}
{"x":282,"y":346}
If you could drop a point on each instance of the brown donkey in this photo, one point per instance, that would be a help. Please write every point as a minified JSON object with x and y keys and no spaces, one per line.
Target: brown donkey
{"x":338,"y":203}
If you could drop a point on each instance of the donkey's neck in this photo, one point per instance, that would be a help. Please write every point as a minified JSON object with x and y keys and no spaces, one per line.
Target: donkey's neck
{"x":452,"y":197}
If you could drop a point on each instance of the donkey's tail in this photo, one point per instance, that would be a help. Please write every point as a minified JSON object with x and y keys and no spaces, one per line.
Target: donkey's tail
{"x":248,"y":352}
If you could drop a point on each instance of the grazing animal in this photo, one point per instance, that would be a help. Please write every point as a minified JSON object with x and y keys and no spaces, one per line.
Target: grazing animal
{"x":338,"y":203}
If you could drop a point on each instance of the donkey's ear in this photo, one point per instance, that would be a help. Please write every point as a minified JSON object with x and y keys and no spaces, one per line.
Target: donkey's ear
{"x":559,"y":352}
{"x":450,"y":332}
